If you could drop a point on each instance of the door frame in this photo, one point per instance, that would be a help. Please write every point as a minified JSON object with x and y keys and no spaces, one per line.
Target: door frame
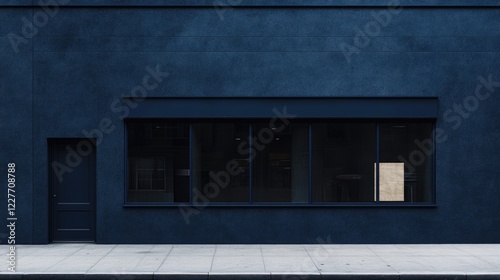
{"x":52,"y":145}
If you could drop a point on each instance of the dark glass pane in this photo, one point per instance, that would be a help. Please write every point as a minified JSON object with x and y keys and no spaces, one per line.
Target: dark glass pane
{"x":406,"y":162}
{"x":143,"y":184}
{"x":158,"y":156}
{"x":280,"y":164}
{"x":220,"y":171}
{"x":158,"y":131}
{"x":142,"y":174}
{"x":343,"y":160}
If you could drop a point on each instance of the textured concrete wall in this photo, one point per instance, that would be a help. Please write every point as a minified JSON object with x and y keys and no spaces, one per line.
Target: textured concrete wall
{"x":16,"y":122}
{"x":64,"y":81}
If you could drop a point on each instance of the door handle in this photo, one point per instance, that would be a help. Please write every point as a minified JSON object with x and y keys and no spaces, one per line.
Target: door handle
{"x":55,"y":195}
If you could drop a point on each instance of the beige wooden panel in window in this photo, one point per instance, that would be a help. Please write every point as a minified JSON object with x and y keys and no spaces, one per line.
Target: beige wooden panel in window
{"x":392,"y":181}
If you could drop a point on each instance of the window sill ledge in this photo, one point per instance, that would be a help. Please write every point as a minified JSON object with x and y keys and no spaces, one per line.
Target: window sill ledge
{"x":284,"y":205}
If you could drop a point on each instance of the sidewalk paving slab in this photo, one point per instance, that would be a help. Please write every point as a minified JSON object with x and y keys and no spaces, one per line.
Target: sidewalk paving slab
{"x":232,"y":276}
{"x":270,"y":262}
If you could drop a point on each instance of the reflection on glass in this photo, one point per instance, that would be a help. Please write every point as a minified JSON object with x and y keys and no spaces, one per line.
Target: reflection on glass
{"x":406,"y":165}
{"x":149,"y":173}
{"x":342,"y":162}
{"x":220,"y":172}
{"x":280,"y":164}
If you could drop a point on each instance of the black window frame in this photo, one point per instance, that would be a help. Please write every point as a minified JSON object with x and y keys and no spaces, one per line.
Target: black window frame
{"x":309,"y":203}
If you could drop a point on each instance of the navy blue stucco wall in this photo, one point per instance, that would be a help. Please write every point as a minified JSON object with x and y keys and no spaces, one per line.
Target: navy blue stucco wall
{"x":16,"y":123}
{"x":64,"y":81}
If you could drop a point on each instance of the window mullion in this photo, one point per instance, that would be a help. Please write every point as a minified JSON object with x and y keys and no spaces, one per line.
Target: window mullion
{"x":250,"y":163}
{"x":377,"y":169}
{"x":191,"y":163}
{"x":310,"y":164}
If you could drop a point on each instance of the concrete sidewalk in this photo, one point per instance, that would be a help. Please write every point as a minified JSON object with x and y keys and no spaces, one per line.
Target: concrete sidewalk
{"x":91,"y":261}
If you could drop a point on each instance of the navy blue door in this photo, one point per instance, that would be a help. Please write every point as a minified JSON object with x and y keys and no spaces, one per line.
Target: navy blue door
{"x":72,"y":190}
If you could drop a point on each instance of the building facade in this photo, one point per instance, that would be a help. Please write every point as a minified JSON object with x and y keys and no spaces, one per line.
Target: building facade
{"x":250,"y":121}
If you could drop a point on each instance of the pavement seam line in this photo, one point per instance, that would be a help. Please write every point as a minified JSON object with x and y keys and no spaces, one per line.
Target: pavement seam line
{"x":473,"y":255}
{"x":165,"y":259}
{"x":213,"y":258}
{"x":383,"y":260}
{"x":65,"y":258}
{"x":137,"y":265}
{"x":262,"y":256}
{"x":312,"y":260}
{"x":101,"y":258}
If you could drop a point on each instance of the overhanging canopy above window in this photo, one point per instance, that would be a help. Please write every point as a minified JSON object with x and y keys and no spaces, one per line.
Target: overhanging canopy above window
{"x":374,"y":107}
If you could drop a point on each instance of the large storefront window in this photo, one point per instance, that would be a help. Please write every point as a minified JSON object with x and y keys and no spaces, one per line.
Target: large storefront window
{"x":301,"y":162}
